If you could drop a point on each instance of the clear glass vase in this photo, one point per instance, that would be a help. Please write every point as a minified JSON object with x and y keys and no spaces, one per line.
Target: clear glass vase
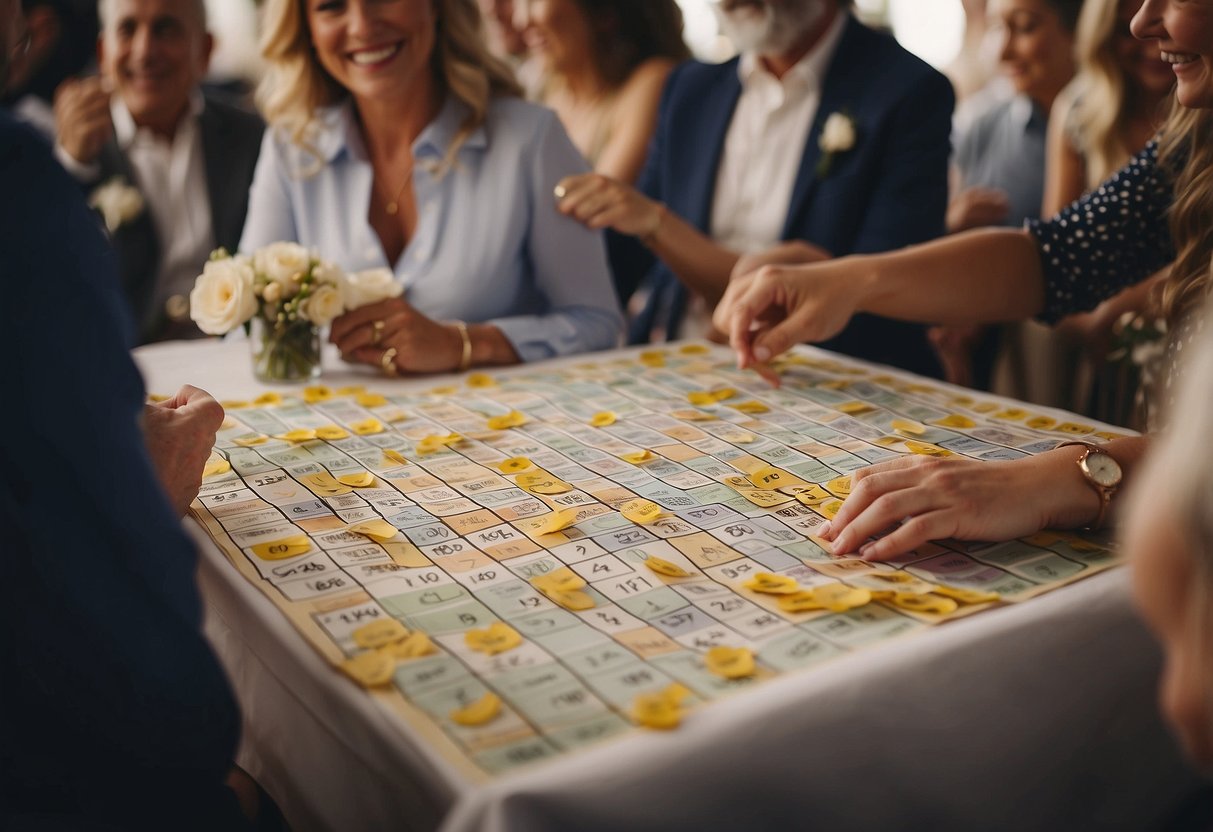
{"x":286,"y":351}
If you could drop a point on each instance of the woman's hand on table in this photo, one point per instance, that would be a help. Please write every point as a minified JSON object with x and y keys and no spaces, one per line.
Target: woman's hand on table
{"x":179,"y":434}
{"x":394,"y":337}
{"x":602,"y":202}
{"x":966,"y":499}
{"x":768,"y":311}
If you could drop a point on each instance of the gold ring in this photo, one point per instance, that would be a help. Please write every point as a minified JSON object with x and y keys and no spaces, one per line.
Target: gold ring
{"x":559,"y":191}
{"x":388,"y":361}
{"x":376,"y":332}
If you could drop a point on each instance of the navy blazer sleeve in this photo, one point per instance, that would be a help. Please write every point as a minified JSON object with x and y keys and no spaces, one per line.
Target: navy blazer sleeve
{"x":112,"y":707}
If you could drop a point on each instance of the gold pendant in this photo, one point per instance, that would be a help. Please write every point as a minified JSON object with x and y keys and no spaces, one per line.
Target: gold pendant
{"x":391,"y":208}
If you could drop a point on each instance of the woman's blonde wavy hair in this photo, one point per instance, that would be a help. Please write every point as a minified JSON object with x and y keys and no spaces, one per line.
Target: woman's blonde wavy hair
{"x":1104,"y":105}
{"x":1186,"y":153}
{"x":295,"y":85}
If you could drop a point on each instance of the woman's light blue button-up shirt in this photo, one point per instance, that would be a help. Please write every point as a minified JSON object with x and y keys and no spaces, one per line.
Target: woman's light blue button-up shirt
{"x":489,"y":245}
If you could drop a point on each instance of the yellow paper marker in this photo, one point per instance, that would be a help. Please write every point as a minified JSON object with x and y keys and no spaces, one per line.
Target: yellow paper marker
{"x":512,"y":419}
{"x":252,"y":441}
{"x":662,"y":710}
{"x":233,"y":404}
{"x":1074,"y":429}
{"x":380,"y":633}
{"x":541,"y":482}
{"x":769,"y":584}
{"x":966,"y":596}
{"x":752,"y":407}
{"x":1012,"y":414}
{"x":770,"y":478}
{"x":692,"y":415}
{"x":641,"y":512}
{"x":855,"y":408}
{"x":652,"y":358}
{"x":730,"y":662}
{"x":298,"y":435}
{"x":840,"y":487}
{"x":557,"y":520}
{"x":637,"y":457}
{"x":838,"y":597}
{"x":664,"y":567}
{"x":602,"y":419}
{"x":496,"y":638}
{"x":363,"y":479}
{"x":699,"y":398}
{"x":367,"y":427}
{"x":350,"y":390}
{"x":955,"y":420}
{"x":513,"y":465}
{"x":926,"y":448}
{"x":813,"y":495}
{"x":317,"y":393}
{"x":370,"y":400}
{"x":266,"y":399}
{"x":375,"y":529}
{"x":479,"y":712}
{"x":331,"y":433}
{"x":416,"y":645}
{"x":429,"y":445}
{"x":395,"y":456}
{"x":479,"y":380}
{"x":558,"y":580}
{"x":906,"y":426}
{"x":216,"y":466}
{"x":694,"y":349}
{"x":287,"y":547}
{"x":371,"y":669}
{"x":575,"y":600}
{"x":325,"y":484}
{"x":927,"y":602}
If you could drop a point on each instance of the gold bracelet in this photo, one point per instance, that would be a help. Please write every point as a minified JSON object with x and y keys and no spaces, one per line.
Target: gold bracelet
{"x":465,"y":360}
{"x":650,"y":236}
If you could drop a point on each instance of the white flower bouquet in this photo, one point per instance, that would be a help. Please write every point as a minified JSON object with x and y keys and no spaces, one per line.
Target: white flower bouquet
{"x":282,"y":295}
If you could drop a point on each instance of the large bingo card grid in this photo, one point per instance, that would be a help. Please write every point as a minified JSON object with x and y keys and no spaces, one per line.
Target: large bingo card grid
{"x":520,"y":564}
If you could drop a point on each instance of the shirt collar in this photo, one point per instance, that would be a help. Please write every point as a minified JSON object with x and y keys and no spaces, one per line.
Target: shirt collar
{"x":337,"y":132}
{"x":125,"y":129}
{"x":1027,"y":116}
{"x":809,"y":71}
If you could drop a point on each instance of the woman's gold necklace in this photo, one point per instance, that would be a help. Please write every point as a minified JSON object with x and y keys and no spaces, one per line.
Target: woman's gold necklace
{"x":393,"y":206}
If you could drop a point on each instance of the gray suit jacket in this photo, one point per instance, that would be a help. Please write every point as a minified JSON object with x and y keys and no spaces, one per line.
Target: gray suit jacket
{"x":231,"y":141}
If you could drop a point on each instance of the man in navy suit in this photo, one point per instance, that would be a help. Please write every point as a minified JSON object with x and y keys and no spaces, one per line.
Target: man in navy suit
{"x":742,"y":162}
{"x":144,"y":123}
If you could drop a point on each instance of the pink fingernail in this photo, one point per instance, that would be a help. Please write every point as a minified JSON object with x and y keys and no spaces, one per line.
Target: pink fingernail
{"x":762,"y":353}
{"x":824,"y":531}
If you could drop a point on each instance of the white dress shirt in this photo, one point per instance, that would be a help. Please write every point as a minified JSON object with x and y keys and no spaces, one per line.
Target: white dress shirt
{"x":765,"y":143}
{"x":171,"y":175}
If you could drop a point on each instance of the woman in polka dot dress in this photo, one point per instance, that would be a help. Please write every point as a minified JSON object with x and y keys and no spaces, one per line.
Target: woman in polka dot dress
{"x":1152,"y":213}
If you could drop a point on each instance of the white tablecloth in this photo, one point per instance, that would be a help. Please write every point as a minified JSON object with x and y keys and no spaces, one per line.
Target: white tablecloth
{"x":1036,"y":716}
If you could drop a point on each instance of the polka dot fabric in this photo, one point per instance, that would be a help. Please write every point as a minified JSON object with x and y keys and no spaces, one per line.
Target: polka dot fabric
{"x":1111,"y":238}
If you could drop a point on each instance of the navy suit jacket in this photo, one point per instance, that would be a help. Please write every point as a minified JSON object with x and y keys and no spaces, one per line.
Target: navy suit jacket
{"x":231,"y":142}
{"x":889,"y":190}
{"x":113,"y":710}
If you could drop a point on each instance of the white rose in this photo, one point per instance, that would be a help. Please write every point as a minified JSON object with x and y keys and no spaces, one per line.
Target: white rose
{"x":837,"y":134}
{"x":322,"y":305}
{"x":371,"y":286}
{"x":118,"y":202}
{"x":281,"y":263}
{"x":223,"y":296}
{"x":326,"y":272}
{"x":272,"y":293}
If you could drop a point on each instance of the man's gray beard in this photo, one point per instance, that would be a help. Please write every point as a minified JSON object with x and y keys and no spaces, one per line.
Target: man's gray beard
{"x":782,"y":23}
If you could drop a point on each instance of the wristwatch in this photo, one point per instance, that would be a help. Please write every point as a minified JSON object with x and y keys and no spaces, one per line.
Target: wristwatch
{"x":1102,"y":473}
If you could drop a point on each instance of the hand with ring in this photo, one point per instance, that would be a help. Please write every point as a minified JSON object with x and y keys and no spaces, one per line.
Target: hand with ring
{"x":415,"y":343}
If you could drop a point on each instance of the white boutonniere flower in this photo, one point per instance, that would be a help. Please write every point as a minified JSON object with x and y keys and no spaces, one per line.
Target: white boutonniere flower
{"x":118,"y":201}
{"x":837,"y":136}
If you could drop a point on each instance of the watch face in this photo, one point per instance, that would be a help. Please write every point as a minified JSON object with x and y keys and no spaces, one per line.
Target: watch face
{"x":1102,"y":468}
